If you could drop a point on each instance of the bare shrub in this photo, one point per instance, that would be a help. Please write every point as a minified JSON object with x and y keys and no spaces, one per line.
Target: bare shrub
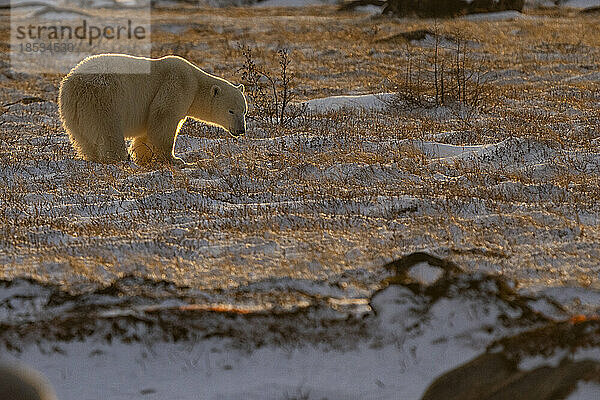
{"x":271,"y":93}
{"x":443,"y":72}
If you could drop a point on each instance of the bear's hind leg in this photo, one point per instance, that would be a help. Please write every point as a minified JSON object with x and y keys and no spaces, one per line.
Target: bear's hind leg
{"x":110,"y":143}
{"x":114,"y":150}
{"x":98,"y":141}
{"x":83,"y":147}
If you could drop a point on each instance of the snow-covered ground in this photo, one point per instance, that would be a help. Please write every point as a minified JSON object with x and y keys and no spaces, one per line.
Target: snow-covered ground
{"x":393,"y":348}
{"x":255,"y":333}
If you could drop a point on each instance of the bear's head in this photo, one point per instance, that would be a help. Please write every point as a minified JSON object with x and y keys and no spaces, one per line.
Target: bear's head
{"x":229,"y":107}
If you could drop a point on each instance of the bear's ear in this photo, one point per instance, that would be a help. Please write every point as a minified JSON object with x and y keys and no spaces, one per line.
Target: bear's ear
{"x":215,"y":90}
{"x":241,"y":87}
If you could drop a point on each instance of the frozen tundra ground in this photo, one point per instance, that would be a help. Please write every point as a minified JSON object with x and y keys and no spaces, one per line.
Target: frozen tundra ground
{"x":255,"y":273}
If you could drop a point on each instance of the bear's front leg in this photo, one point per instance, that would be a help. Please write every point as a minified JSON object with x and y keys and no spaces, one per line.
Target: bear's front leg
{"x":162,"y":132}
{"x":141,"y":150}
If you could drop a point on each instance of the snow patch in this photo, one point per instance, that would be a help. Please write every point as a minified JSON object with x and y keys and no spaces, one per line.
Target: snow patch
{"x":496,"y":16}
{"x":334,"y":103}
{"x":581,"y":4}
{"x":425,"y":274}
{"x":292,"y":3}
{"x":585,"y":391}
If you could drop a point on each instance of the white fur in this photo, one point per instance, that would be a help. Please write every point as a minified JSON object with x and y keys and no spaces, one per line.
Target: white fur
{"x":99,"y":108}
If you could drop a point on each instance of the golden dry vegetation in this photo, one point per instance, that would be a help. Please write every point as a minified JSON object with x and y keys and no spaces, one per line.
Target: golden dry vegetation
{"x":333,"y":195}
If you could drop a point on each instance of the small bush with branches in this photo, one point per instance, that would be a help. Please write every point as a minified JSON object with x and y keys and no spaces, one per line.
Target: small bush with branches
{"x":271,"y":93}
{"x":443,"y":73}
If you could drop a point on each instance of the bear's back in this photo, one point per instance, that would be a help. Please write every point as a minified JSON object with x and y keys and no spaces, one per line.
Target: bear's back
{"x":113,"y":84}
{"x":114,"y":64}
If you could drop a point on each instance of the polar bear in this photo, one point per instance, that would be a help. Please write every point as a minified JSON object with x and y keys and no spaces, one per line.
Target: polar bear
{"x":100,"y":107}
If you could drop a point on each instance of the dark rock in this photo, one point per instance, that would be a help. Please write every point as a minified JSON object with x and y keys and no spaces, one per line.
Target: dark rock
{"x":439,"y":8}
{"x":495,"y":376}
{"x":455,"y":282}
{"x":590,"y":10}
{"x":546,"y":383}
{"x":473,"y":380}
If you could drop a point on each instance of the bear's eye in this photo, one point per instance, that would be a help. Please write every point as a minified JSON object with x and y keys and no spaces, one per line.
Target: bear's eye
{"x":230,"y":111}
